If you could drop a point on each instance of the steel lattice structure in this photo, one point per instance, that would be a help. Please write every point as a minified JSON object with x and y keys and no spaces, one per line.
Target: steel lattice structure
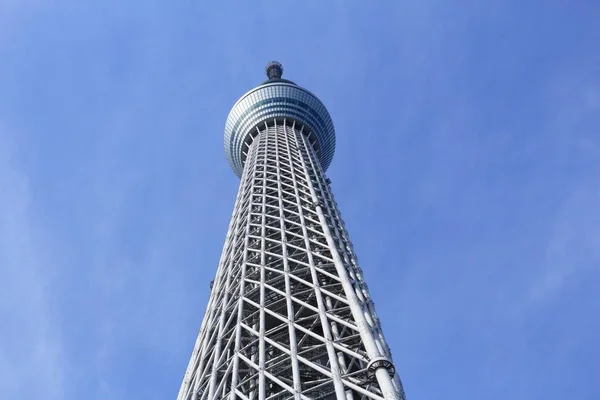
{"x":289,"y":316}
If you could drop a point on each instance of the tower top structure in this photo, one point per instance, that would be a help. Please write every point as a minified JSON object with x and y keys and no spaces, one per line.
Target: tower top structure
{"x":277,"y":100}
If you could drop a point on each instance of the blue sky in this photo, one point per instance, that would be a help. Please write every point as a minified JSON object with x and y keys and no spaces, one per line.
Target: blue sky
{"x":466,"y":168}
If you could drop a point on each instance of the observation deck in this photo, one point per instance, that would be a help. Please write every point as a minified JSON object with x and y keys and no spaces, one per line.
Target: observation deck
{"x":277,"y":99}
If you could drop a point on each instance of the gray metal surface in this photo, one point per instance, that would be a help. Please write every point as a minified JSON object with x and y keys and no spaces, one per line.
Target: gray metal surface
{"x":289,"y":316}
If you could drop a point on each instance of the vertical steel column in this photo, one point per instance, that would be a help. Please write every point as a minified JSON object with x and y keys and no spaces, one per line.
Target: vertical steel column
{"x":366,"y":333}
{"x":286,"y":269}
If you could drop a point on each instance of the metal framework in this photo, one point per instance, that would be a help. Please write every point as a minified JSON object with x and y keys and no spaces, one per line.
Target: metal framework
{"x":289,"y":316}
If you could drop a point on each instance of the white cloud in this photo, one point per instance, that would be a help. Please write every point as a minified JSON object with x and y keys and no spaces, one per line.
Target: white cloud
{"x":574,"y":244}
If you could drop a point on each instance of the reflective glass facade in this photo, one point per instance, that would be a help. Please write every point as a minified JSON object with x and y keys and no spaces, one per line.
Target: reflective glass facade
{"x":272,"y":100}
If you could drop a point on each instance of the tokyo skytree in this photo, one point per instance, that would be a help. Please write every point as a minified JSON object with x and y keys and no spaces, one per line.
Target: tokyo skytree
{"x":289,"y":314}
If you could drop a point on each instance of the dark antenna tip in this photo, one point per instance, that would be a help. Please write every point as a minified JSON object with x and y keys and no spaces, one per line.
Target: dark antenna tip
{"x":274,"y":70}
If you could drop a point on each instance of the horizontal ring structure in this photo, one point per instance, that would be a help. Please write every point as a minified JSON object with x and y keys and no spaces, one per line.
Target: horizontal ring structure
{"x":277,"y":99}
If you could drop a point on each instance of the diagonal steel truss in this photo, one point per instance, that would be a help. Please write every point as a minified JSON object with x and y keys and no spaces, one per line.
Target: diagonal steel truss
{"x":289,"y":316}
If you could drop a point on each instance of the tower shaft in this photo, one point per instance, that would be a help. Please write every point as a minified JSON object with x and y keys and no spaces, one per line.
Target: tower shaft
{"x":289,"y":316}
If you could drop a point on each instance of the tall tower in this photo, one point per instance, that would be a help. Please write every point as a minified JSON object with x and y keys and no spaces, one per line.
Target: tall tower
{"x":289,"y":315}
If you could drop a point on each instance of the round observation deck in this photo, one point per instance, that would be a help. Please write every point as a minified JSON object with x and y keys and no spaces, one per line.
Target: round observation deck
{"x":277,"y":99}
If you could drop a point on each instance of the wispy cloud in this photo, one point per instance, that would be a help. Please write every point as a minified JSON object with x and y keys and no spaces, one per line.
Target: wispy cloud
{"x":573,"y":121}
{"x":32,"y":362}
{"x":574,"y":244}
